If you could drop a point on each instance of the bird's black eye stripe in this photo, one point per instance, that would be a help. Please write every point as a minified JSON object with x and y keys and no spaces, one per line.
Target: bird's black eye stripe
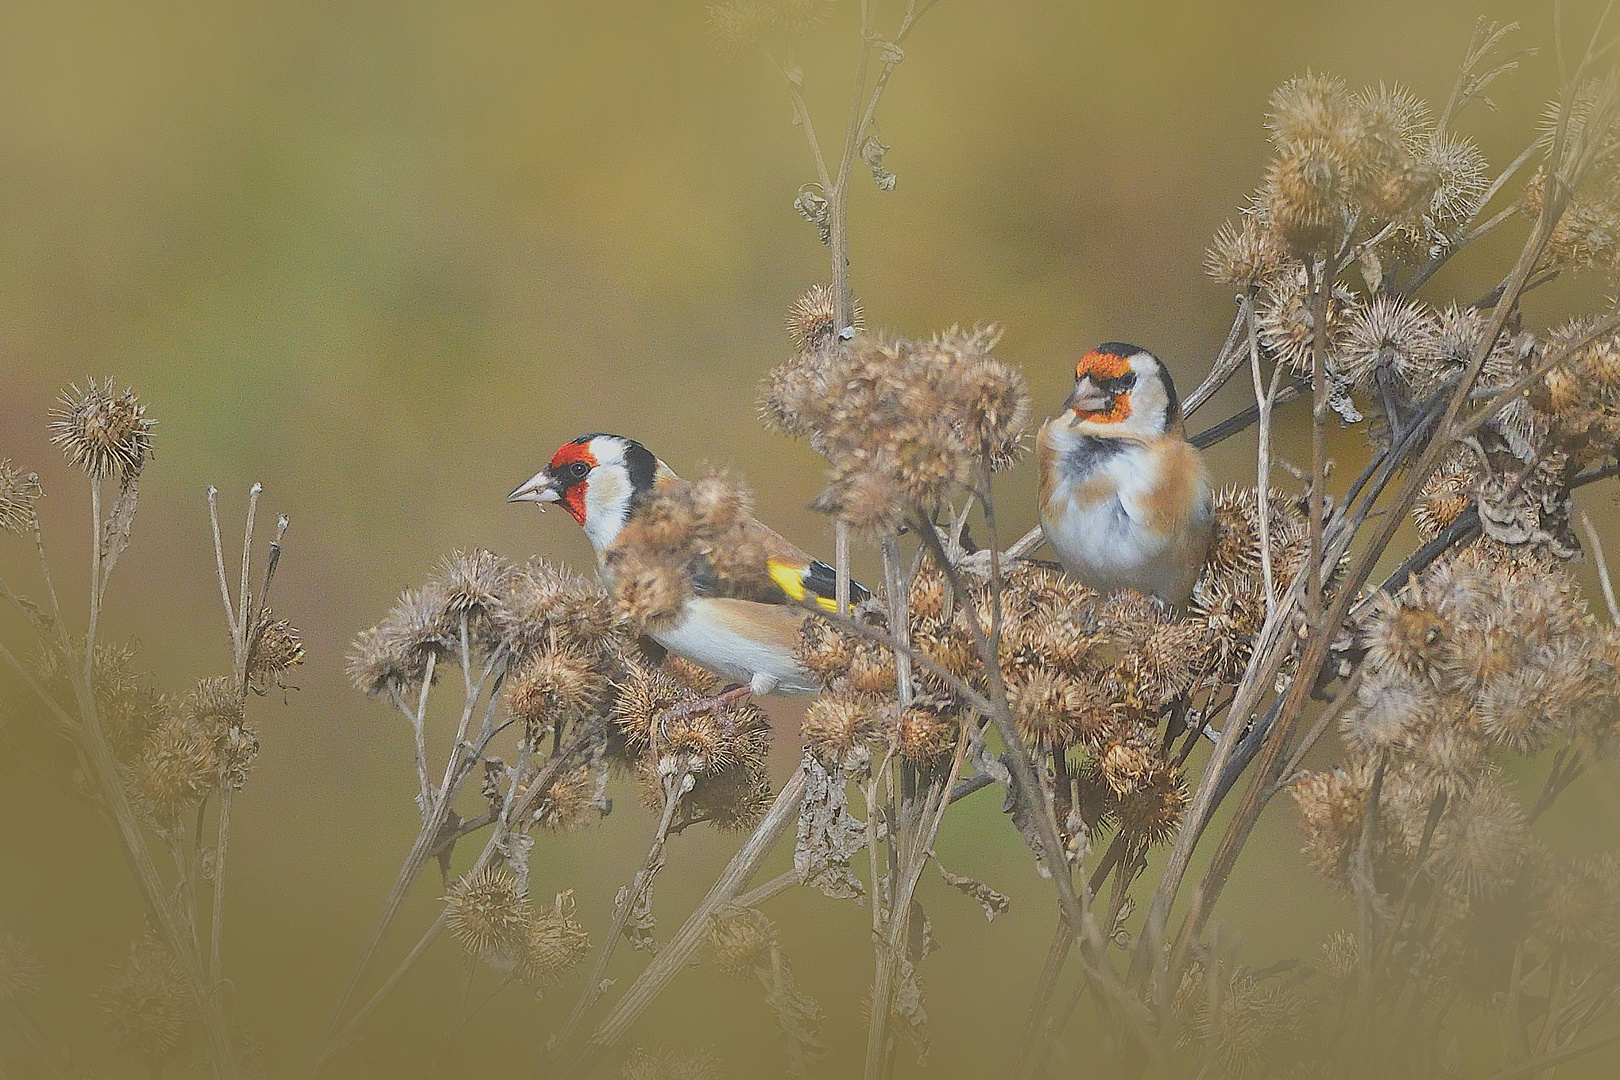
{"x":1120,"y":383}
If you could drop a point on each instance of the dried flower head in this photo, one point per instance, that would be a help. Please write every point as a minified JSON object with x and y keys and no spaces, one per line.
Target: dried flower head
{"x":799,"y":16}
{"x":18,"y":492}
{"x":1445,"y":495}
{"x":1307,"y":191}
{"x":555,"y":944}
{"x":488,"y":913}
{"x":546,"y":604}
{"x":923,"y":734}
{"x":1309,"y":108}
{"x":475,"y":585}
{"x":739,"y":937}
{"x":659,"y":1064}
{"x":736,"y":26}
{"x":836,"y":724}
{"x":1480,"y":842}
{"x":19,"y":970}
{"x":1247,"y":1027}
{"x":146,"y":1002}
{"x":1287,"y":320}
{"x":1392,"y":336}
{"x":177,"y":767}
{"x":1331,"y":807}
{"x":278,"y":649}
{"x":1245,"y":255}
{"x":102,"y":432}
{"x":392,"y":657}
{"x":569,"y":803}
{"x":1459,"y":172}
{"x":556,"y":686}
{"x":812,"y":321}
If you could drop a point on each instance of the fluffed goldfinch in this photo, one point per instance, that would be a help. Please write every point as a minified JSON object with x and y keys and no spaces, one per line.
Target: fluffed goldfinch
{"x":743,"y":618}
{"x":1124,"y":498}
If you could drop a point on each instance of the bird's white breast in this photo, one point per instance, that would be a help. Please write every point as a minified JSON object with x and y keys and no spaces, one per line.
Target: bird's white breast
{"x":711,"y":634}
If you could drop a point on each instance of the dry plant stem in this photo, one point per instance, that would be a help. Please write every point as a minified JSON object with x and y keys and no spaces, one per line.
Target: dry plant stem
{"x":913,"y":859}
{"x":1227,"y":361}
{"x":680,"y":950}
{"x":1322,"y":286}
{"x":1575,"y":1050}
{"x":457,"y":767}
{"x":1602,"y":567}
{"x":1265,"y":398}
{"x":674,"y":791}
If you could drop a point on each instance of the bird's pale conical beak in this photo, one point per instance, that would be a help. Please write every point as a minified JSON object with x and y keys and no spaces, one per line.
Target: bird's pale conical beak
{"x":539,"y":488}
{"x":1088,"y":397}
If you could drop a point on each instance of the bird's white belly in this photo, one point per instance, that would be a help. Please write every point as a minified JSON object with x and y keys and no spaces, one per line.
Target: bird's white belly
{"x":1100,"y":544}
{"x":705,"y":638}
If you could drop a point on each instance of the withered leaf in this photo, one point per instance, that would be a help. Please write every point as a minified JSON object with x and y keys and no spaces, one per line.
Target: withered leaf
{"x":828,"y":835}
{"x":993,"y":902}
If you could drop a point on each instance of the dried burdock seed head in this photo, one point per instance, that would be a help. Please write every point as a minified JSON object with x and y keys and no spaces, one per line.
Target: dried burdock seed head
{"x":1245,"y":256}
{"x":1481,"y":840}
{"x":1309,"y":108}
{"x":1391,"y":708}
{"x":1392,"y":335}
{"x":1406,"y":633}
{"x":740,"y":938}
{"x":1331,"y":807}
{"x":212,"y":707}
{"x":922,"y":734}
{"x":1151,"y":812}
{"x":570,"y":802}
{"x":645,"y":694}
{"x":799,"y":16}
{"x":1449,"y":750}
{"x":1307,"y":191}
{"x":177,"y":767}
{"x":1247,"y":1027}
{"x":278,"y":650}
{"x":659,"y":1064}
{"x":393,"y":655}
{"x":1287,"y":325}
{"x":1339,"y":956}
{"x":1517,"y":709}
{"x":825,"y":652}
{"x":1129,"y":762}
{"x":1170,"y":661}
{"x":650,"y":596}
{"x":871,"y":671}
{"x":102,"y":432}
{"x":836,"y":724}
{"x":556,"y":686}
{"x":19,"y":970}
{"x":736,"y":26}
{"x":733,"y":798}
{"x":547,"y":604}
{"x":1392,"y":117}
{"x":1445,"y":495}
{"x":146,"y":1002}
{"x":488,"y":913}
{"x":1458,"y":170}
{"x":1573,"y":905}
{"x":475,"y":584}
{"x":554,"y":945}
{"x":812,"y":321}
{"x":1044,"y":704}
{"x":18,"y":492}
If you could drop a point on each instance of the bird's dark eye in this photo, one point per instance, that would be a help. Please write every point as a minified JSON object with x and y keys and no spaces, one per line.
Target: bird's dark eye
{"x":1122,"y":383}
{"x":579,"y":468}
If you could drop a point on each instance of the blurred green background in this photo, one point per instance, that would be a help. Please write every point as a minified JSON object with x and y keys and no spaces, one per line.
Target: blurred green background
{"x":384,"y":256}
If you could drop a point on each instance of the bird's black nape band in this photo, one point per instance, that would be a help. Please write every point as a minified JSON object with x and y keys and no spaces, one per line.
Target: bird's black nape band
{"x":641,"y":465}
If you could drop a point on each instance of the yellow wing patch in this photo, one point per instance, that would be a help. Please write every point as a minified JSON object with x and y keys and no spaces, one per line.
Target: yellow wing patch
{"x":790,"y":579}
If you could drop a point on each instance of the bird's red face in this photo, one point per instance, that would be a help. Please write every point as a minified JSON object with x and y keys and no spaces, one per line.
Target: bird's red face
{"x":1102,"y":387}
{"x":569,"y":467}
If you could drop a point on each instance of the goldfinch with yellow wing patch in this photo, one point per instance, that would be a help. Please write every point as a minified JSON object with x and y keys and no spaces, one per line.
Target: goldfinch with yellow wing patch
{"x":737,"y":609}
{"x":1124,"y":498}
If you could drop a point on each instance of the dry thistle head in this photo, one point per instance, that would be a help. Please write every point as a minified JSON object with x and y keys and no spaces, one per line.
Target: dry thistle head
{"x":1392,"y":336}
{"x":737,"y":26}
{"x":799,"y":16}
{"x":1575,"y":904}
{"x":475,"y":585}
{"x":1445,"y":495}
{"x":1308,"y":188}
{"x":569,"y":803}
{"x":1151,"y":812}
{"x":392,"y":656}
{"x":147,"y":1002}
{"x":278,"y":650}
{"x":18,"y":492}
{"x":1288,"y":321}
{"x":660,"y":1064}
{"x":177,"y":767}
{"x":739,"y":937}
{"x":837,"y":724}
{"x":102,"y":432}
{"x":19,"y":970}
{"x":548,"y":604}
{"x":1331,"y":807}
{"x":1245,"y":255}
{"x":1047,"y":707}
{"x":1247,"y":1028}
{"x":812,"y":321}
{"x":923,"y":734}
{"x":1481,"y":841}
{"x":555,"y":944}
{"x":488,"y":913}
{"x":556,"y":686}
